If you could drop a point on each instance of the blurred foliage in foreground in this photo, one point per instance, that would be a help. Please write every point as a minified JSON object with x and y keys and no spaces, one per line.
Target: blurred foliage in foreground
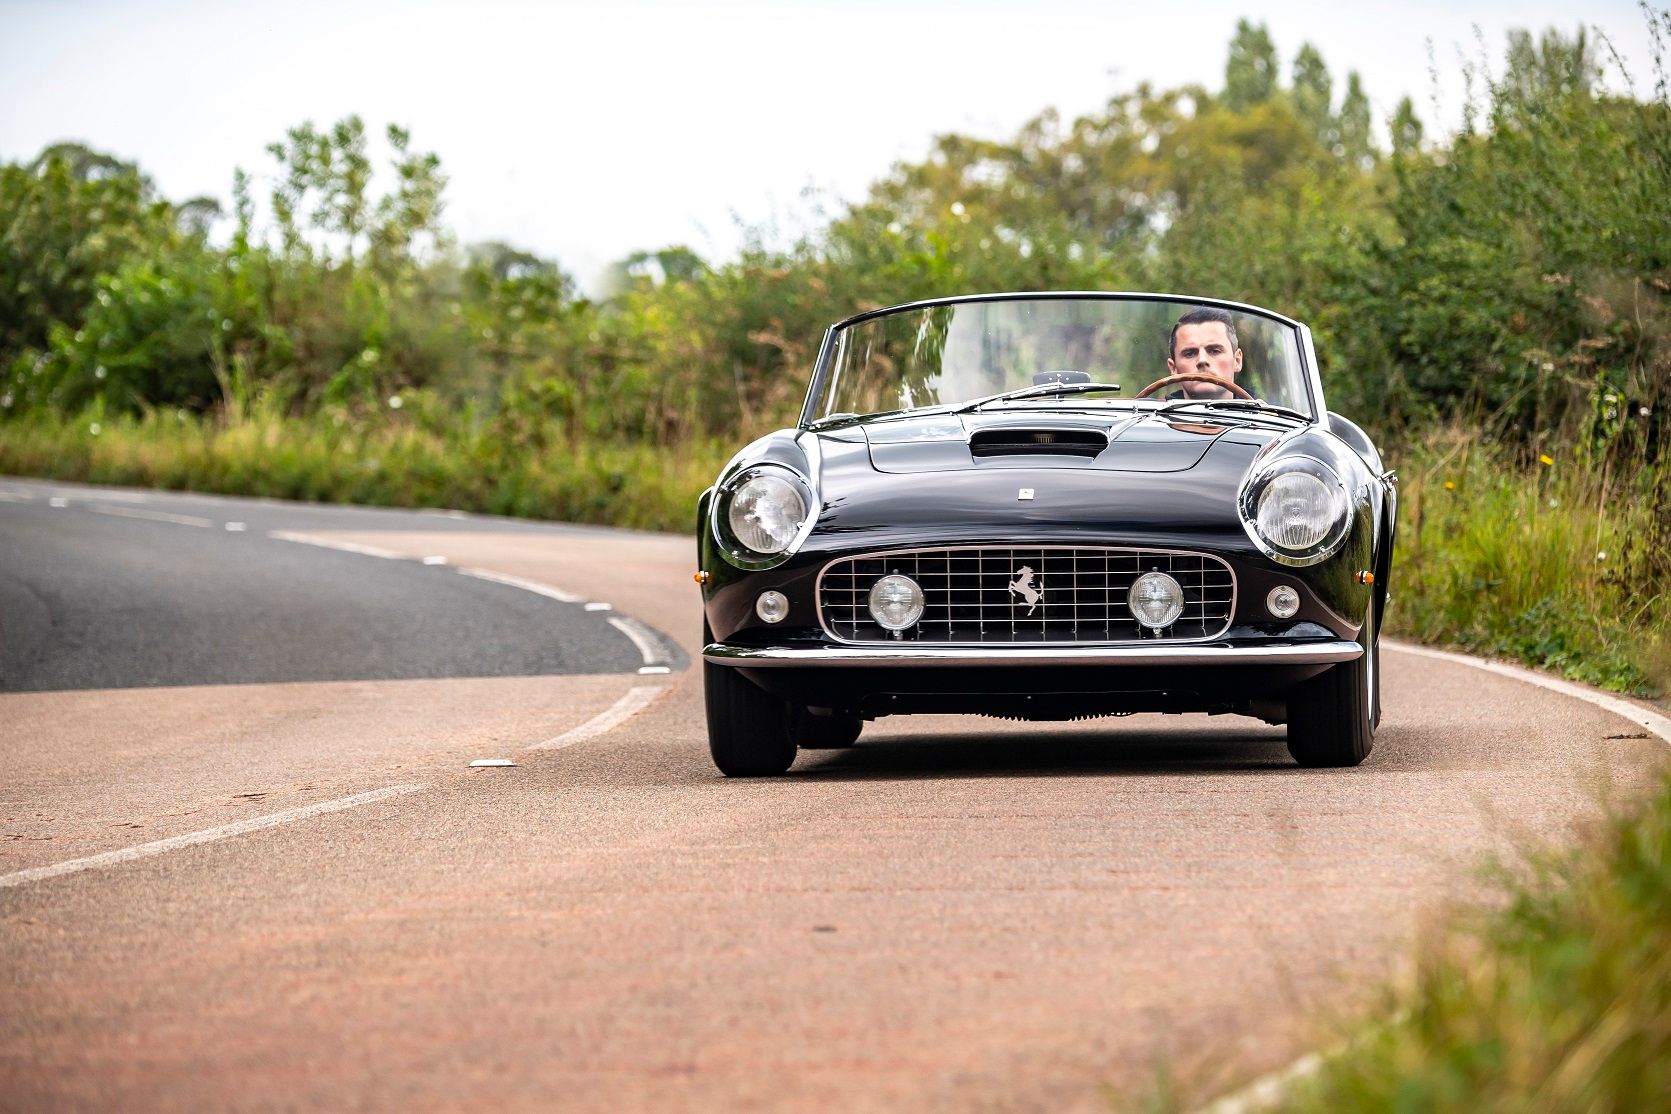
{"x":1555,"y":996}
{"x":1482,"y":301}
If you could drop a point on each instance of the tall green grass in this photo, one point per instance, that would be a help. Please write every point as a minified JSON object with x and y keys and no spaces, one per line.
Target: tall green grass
{"x":1563,"y":562}
{"x":523,"y":469}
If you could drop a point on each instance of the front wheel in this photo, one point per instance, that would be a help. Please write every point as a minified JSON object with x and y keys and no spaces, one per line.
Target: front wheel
{"x":748,"y":728}
{"x":1332,"y":717}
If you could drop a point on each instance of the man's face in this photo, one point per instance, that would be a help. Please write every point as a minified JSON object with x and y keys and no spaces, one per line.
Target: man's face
{"x":1205,"y":347}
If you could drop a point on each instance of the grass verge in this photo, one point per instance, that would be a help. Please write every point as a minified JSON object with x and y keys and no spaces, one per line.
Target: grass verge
{"x":1564,"y":564}
{"x":520,"y":469}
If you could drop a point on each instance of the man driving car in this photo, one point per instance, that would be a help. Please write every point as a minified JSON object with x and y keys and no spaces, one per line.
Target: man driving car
{"x":1204,"y":341}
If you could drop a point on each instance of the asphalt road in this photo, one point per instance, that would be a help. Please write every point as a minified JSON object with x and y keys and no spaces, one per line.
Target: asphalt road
{"x":252,"y":868}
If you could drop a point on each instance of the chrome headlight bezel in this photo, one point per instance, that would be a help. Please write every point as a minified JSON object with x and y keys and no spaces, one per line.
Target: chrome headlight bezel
{"x":733,"y":547}
{"x":1333,"y":537}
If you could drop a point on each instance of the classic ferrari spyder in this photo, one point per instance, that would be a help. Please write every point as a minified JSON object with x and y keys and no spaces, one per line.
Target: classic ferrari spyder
{"x":1049,"y":506}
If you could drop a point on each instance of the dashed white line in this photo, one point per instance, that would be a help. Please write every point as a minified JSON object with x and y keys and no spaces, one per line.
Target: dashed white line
{"x":332,"y":543}
{"x":636,"y":700}
{"x":154,"y":516}
{"x":435,"y":559}
{"x":208,"y":835}
{"x":649,"y":646}
{"x":526,"y":585}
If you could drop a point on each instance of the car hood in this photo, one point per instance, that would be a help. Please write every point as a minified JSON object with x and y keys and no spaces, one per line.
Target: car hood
{"x":1121,"y":442}
{"x":1151,"y":481}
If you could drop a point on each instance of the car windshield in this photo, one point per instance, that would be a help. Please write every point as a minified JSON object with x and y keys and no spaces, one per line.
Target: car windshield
{"x":1104,"y":352}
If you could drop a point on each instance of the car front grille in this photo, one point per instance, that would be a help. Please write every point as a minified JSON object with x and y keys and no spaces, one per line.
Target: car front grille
{"x":981,"y":596}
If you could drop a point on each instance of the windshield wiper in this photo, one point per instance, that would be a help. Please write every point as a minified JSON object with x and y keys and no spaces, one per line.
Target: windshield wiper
{"x":1256,"y":404}
{"x":1034,"y":391}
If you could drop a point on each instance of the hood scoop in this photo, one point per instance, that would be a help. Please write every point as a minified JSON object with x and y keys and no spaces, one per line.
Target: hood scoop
{"x":1012,"y":441}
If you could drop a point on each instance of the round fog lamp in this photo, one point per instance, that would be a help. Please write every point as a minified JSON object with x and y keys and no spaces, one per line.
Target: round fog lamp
{"x":896,"y":602}
{"x":773,"y":607}
{"x":1156,"y":600}
{"x":1283,"y":601}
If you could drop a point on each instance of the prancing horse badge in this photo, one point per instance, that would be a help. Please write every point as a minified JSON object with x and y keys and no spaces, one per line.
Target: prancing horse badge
{"x":1024,"y":586}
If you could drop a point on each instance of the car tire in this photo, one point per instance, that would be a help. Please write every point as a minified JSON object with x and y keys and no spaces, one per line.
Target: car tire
{"x":1332,"y":717}
{"x":825,"y":732}
{"x":748,"y":727}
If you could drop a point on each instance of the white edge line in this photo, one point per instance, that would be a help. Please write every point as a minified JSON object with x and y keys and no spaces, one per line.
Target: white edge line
{"x":208,"y":835}
{"x":518,"y":582}
{"x":642,"y":638}
{"x":1636,"y":713}
{"x":154,"y":516}
{"x":636,"y":700}
{"x":329,"y":543}
{"x":1267,"y":1090}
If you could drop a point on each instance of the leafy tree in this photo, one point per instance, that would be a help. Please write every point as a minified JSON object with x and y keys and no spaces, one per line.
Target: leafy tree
{"x":1313,"y":92}
{"x":68,"y":217}
{"x":1354,"y":125}
{"x":1250,"y":75}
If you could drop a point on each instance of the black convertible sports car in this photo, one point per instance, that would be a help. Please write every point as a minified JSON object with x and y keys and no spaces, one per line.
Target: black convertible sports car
{"x":1049,"y":506}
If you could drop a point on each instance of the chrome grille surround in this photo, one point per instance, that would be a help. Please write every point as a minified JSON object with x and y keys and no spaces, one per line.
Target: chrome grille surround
{"x":975,"y":597}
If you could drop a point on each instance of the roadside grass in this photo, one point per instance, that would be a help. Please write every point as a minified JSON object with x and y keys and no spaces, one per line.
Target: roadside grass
{"x":527,"y":470}
{"x":1563,"y":563}
{"x":1554,"y":994}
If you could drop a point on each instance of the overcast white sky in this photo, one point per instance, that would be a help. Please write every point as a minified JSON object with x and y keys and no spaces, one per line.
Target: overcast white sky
{"x":584,"y":131}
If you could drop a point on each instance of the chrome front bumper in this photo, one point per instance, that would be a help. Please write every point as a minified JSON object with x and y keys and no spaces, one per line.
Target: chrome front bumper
{"x":861,"y":657}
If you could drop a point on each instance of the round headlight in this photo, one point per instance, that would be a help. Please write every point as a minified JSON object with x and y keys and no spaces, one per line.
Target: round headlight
{"x":1156,"y":600}
{"x":1297,"y":511}
{"x":896,"y":602}
{"x":765,"y":513}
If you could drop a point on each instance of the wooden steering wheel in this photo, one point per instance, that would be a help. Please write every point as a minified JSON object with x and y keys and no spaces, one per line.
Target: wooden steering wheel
{"x":1193,"y":377}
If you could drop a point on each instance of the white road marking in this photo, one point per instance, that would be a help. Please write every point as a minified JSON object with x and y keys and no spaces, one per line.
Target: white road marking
{"x":331,"y":543}
{"x":636,"y":700}
{"x":154,"y":516}
{"x":649,"y":646}
{"x":57,"y":502}
{"x":1266,"y":1090}
{"x":16,"y":497}
{"x":1644,"y":717}
{"x":208,"y":835}
{"x":647,"y":669}
{"x":599,"y":606}
{"x":526,"y":585}
{"x":435,"y":559}
{"x":236,"y":527}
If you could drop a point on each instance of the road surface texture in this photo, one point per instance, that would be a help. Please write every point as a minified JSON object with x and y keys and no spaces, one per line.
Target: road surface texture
{"x":247,"y":865}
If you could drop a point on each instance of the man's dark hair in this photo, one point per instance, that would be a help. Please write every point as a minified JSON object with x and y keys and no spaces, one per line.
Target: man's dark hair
{"x":1201,"y":317}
